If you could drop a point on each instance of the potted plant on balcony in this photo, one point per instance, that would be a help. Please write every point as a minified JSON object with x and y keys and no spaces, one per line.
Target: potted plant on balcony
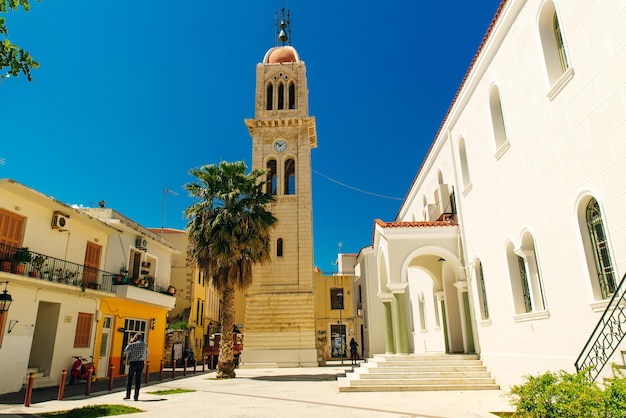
{"x":38,"y":263}
{"x":171,"y":290}
{"x":5,"y":264}
{"x":21,"y":257}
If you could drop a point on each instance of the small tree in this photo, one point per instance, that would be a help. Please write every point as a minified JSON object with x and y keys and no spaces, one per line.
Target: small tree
{"x":12,"y":56}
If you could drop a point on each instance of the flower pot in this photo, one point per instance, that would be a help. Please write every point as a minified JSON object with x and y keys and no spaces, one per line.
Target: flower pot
{"x":32,"y":273}
{"x":19,"y":269}
{"x":5,"y":265}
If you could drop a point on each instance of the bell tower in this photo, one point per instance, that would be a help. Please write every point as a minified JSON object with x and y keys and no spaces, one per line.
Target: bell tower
{"x":279,"y":318}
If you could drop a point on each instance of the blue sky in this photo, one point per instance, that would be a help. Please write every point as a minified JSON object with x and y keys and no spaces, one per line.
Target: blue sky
{"x":130,"y":96}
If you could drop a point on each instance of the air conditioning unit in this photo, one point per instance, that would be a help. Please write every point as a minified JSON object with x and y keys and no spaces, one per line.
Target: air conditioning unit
{"x":442,"y":200}
{"x":60,"y":221}
{"x":141,"y":243}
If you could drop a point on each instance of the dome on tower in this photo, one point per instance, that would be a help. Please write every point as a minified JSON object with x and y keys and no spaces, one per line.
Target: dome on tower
{"x":280,"y":54}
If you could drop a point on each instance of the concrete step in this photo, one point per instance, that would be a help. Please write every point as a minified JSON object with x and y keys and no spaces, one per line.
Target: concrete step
{"x":345,"y":385}
{"x":404,"y":375}
{"x":418,"y":372}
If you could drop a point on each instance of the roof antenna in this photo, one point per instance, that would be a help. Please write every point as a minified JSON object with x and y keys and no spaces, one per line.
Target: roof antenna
{"x":283,"y":27}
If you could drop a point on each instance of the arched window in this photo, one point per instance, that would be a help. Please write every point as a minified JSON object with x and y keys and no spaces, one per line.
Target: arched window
{"x":526,"y":282}
{"x":463,"y":161}
{"x":281,"y":96}
{"x":600,"y":249}
{"x":269,"y":97}
{"x":271,"y":186}
{"x":497,"y":119}
{"x":482,"y":294}
{"x":279,"y":247}
{"x":552,"y":43}
{"x":290,"y":177}
{"x":292,"y":95}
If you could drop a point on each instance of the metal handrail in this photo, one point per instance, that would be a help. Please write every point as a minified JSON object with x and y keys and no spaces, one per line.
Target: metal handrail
{"x":607,"y":335}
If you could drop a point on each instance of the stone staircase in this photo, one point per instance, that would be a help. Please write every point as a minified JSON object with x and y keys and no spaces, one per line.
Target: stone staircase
{"x":417,"y":372}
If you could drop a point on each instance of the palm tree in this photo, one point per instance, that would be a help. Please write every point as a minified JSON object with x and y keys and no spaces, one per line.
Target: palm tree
{"x":229,"y":231}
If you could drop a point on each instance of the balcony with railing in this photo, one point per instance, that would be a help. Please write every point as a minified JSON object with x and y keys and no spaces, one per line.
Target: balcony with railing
{"x":53,"y":270}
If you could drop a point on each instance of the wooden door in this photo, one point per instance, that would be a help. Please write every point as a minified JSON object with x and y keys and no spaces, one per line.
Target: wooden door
{"x":11,"y":233}
{"x":92,"y":262}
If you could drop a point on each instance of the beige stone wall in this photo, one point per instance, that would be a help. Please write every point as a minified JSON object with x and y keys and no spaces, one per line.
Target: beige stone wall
{"x":280,"y":302}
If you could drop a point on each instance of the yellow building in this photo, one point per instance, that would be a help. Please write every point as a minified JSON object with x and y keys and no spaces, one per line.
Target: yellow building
{"x":142,"y":263}
{"x":335,"y":322}
{"x":197,"y":300}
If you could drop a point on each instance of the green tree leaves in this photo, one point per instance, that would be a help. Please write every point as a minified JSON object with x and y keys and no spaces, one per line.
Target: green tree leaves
{"x":12,"y":57}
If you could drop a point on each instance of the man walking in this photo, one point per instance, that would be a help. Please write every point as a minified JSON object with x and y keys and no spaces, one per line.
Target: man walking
{"x":136,"y":353}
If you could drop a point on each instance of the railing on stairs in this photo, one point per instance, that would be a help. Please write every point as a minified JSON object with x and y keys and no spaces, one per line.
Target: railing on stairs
{"x":607,"y":335}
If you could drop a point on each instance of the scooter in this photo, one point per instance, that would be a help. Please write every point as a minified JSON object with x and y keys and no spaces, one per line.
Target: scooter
{"x":80,"y":369}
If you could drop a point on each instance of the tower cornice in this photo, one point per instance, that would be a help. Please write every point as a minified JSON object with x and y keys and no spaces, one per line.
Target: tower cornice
{"x":308,"y":122}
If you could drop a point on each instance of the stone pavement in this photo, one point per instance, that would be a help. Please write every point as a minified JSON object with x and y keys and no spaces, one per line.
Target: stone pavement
{"x":288,"y":392}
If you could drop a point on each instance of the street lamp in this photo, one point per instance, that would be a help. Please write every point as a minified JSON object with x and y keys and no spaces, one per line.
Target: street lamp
{"x":342,"y":345}
{"x":5,"y":299}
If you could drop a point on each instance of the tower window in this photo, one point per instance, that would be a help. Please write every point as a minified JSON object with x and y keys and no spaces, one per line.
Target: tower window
{"x":292,"y":95}
{"x":271,"y":186}
{"x":279,"y":247}
{"x":290,"y":177}
{"x":270,"y":97}
{"x":281,"y":96}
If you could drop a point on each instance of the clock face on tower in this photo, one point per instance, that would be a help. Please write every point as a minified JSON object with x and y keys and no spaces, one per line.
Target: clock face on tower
{"x":280,"y":146}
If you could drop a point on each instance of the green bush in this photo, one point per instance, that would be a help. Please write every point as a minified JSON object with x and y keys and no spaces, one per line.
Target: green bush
{"x":562,"y":394}
{"x":178,"y":325}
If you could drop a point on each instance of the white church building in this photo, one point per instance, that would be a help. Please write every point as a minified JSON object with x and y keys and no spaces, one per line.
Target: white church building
{"x":511,"y":241}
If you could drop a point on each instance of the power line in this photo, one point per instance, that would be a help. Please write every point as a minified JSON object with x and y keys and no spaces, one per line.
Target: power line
{"x":354,"y":188}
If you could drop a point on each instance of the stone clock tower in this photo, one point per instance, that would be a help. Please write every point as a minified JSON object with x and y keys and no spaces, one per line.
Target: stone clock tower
{"x":279,"y":317}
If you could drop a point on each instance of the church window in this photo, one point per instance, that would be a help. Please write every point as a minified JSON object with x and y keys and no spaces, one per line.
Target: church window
{"x":281,"y":96}
{"x":482,"y":294}
{"x":497,"y":119}
{"x":464,"y":168}
{"x":422,"y":311}
{"x":600,"y":249}
{"x":279,"y":247}
{"x":526,"y":282}
{"x":270,"y":97}
{"x":552,"y":43}
{"x":290,"y":176}
{"x":271,"y":186}
{"x":292,"y":95}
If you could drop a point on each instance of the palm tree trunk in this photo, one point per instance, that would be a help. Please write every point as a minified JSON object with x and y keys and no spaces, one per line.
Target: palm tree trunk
{"x":225,"y":363}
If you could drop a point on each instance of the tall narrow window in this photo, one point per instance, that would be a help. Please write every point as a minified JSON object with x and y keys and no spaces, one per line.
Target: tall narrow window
{"x":82,"y":335}
{"x":279,"y":247}
{"x":497,"y":118}
{"x":11,"y":233}
{"x":290,"y":177}
{"x":528,"y":304}
{"x":281,"y":96}
{"x":599,"y":243}
{"x":422,"y":311}
{"x":482,"y":294}
{"x":560,"y":46}
{"x":336,"y":298}
{"x":269,"y":98}
{"x":292,"y":95}
{"x":271,"y":186}
{"x":463,"y":161}
{"x":552,"y":43}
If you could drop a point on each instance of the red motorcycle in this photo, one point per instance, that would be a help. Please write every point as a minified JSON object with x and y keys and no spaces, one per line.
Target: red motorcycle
{"x":80,"y":369}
